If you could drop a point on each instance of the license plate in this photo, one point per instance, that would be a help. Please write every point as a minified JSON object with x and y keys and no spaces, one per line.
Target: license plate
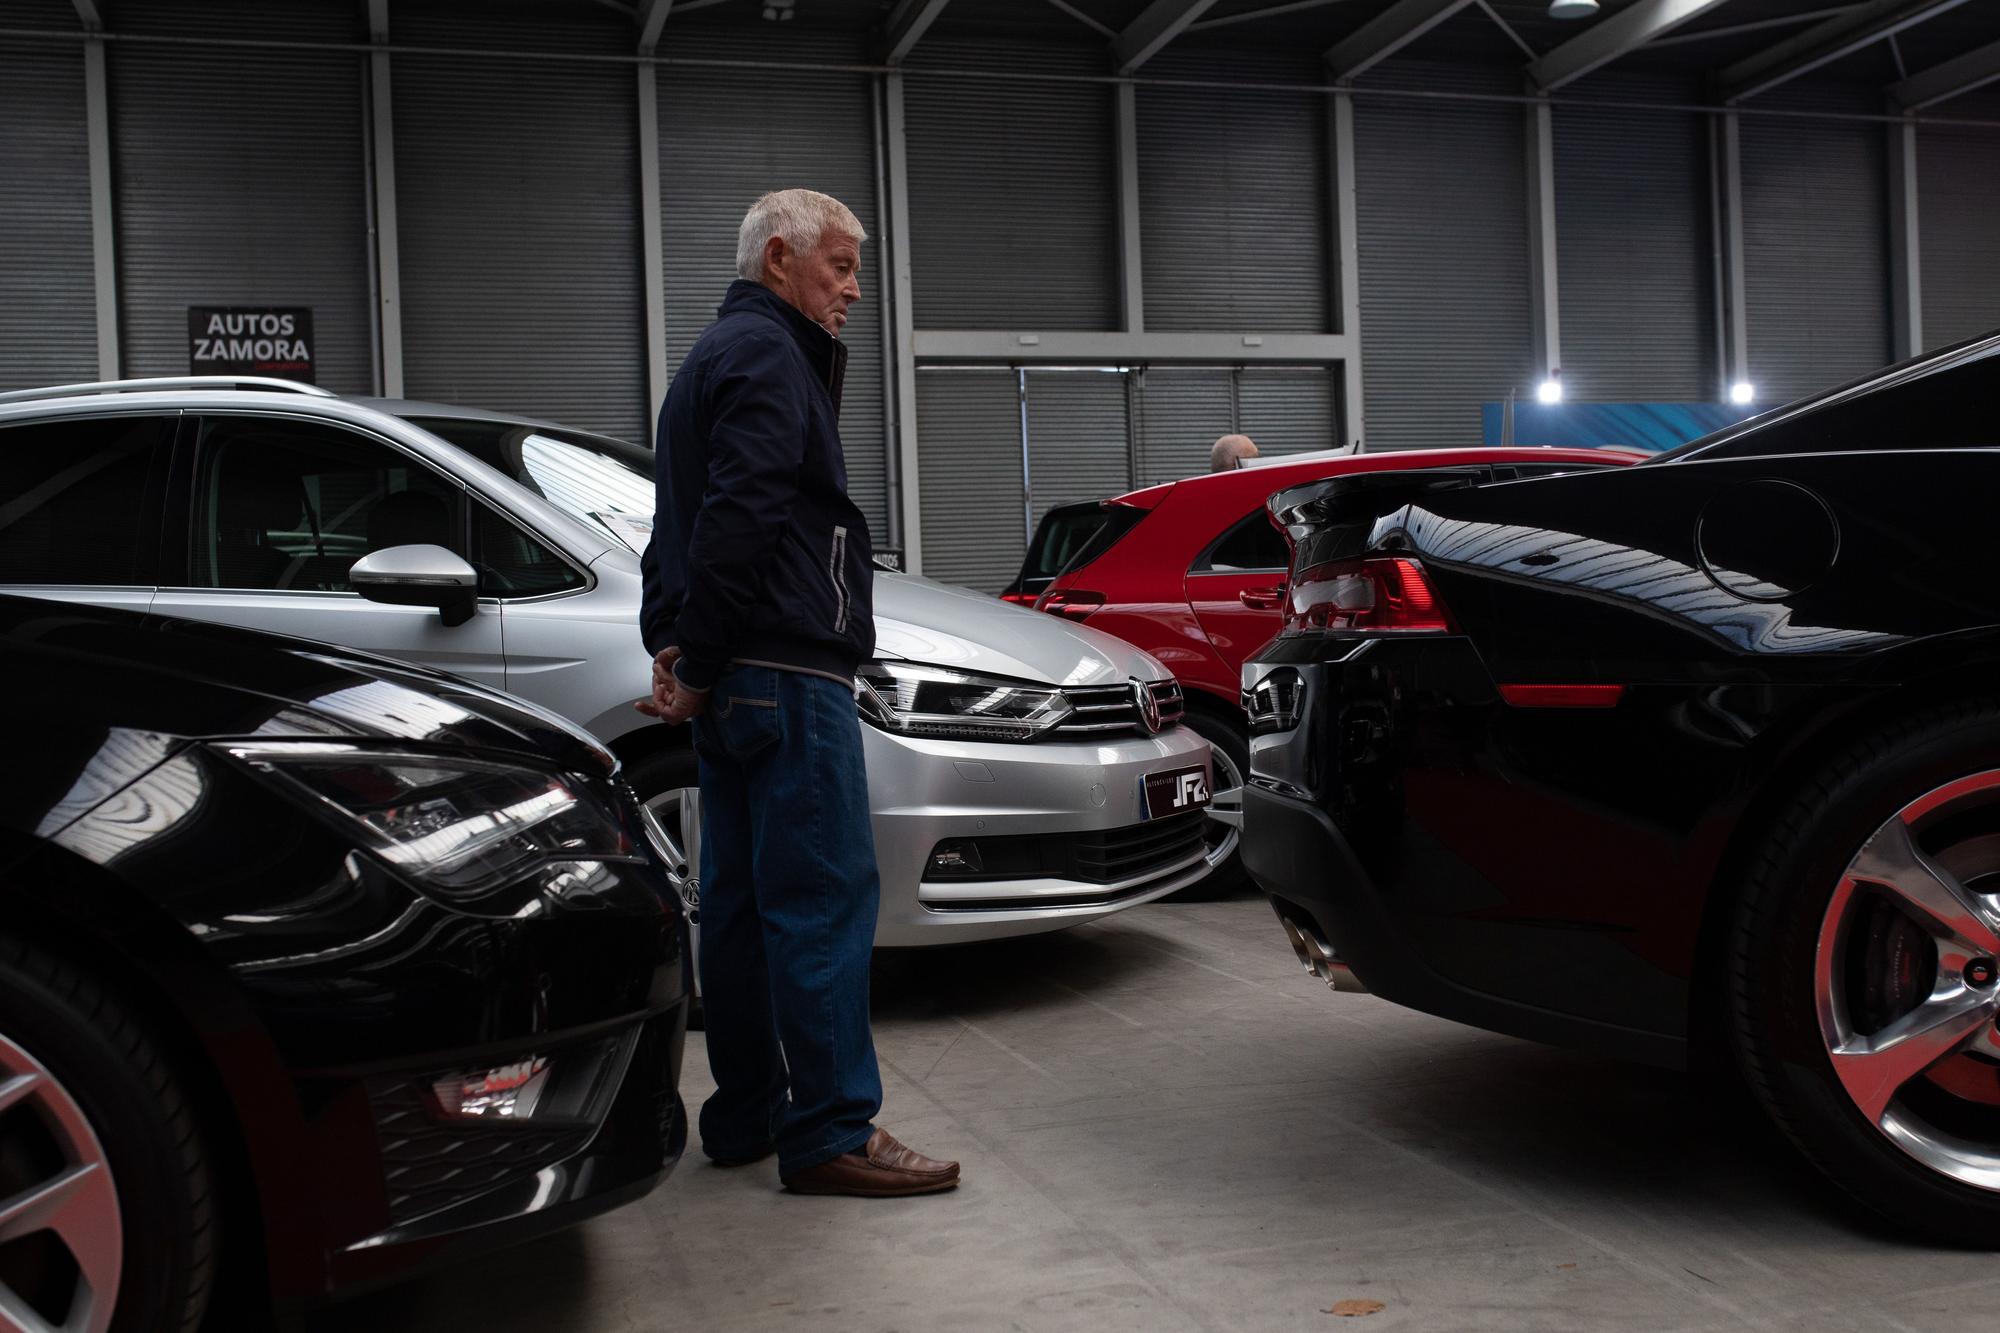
{"x":1176,"y":792}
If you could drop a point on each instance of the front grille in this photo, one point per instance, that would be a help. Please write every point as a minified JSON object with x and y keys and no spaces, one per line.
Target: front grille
{"x":1106,"y":856}
{"x":428,"y":1165}
{"x":1111,"y":709}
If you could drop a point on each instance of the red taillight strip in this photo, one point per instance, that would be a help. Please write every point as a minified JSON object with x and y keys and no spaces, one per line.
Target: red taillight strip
{"x":1563,"y":696}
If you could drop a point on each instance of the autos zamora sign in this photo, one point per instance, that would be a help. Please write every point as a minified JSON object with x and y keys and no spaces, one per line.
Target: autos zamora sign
{"x":251,"y":340}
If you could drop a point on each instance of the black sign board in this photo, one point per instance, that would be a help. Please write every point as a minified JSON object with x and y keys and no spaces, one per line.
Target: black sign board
{"x":251,"y":340}
{"x":889,"y":558}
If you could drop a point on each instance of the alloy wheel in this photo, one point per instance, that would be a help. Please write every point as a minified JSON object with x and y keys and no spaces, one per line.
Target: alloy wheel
{"x":677,"y":812}
{"x":62,"y":1236}
{"x":1907,"y":980}
{"x":1224,"y":827}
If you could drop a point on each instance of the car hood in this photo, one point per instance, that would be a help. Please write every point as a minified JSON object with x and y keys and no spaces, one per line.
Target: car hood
{"x":127,"y":671}
{"x":949,"y":626}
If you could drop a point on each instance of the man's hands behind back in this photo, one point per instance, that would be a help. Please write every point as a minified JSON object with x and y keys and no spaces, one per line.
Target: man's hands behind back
{"x":672,"y":702}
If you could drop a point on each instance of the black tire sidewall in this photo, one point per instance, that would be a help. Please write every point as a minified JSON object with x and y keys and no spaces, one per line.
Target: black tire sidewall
{"x":146,"y":1149}
{"x":1773,"y":989}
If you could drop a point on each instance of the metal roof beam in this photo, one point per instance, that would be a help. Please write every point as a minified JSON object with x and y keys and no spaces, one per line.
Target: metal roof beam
{"x":652,"y":16}
{"x":1960,"y":74}
{"x":906,"y":27}
{"x":1162,"y":21}
{"x":1608,"y":39}
{"x":1824,"y":43}
{"x":1387,"y":33}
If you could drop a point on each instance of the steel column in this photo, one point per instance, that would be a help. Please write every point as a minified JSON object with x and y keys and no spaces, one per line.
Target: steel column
{"x":897,"y":238}
{"x":1732,"y":320}
{"x":1131,"y":272}
{"x":388,"y":258}
{"x":1906,"y":287}
{"x":651,"y":245}
{"x":1544,"y":290}
{"x":1347,"y":264}
{"x":103,"y":223}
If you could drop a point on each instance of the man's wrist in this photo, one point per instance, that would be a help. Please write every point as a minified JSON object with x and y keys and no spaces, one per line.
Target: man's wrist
{"x":681,"y":677}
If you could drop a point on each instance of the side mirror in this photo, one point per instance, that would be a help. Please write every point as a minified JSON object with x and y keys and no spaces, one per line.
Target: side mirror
{"x":418,"y":576}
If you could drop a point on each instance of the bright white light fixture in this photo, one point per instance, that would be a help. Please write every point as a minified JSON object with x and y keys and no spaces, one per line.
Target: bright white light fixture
{"x":1572,"y":9}
{"x":1742,"y":392}
{"x":1549,"y":390}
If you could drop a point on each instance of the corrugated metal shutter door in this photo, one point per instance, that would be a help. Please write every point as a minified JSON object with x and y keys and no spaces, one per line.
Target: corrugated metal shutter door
{"x":1079,"y":444}
{"x":518,"y":216}
{"x":239,"y":179}
{"x":1958,"y":175}
{"x":1013,"y":219}
{"x":1182,"y":411}
{"x":720,"y":150}
{"x":1632,"y":228}
{"x":1815,"y":242}
{"x":969,"y":459}
{"x":1445,"y":317}
{"x":48,"y":286}
{"x":1233,"y":197}
{"x":1289,"y":410}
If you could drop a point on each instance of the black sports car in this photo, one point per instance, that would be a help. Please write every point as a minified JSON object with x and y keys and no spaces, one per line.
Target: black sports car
{"x":314,"y":969}
{"x":1701,"y":755}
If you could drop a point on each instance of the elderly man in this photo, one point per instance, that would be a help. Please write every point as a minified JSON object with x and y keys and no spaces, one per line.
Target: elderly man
{"x":758,"y":609}
{"x":1231,"y":452}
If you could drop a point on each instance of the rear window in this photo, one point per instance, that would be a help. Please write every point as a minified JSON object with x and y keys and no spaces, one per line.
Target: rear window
{"x":1063,"y":533}
{"x":1117,"y":521}
{"x":73,"y":500}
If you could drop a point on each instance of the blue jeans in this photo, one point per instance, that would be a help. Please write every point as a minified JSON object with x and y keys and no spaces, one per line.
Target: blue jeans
{"x":789,"y":893}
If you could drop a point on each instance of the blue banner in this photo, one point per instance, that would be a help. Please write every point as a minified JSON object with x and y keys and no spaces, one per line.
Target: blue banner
{"x":1650,"y":426}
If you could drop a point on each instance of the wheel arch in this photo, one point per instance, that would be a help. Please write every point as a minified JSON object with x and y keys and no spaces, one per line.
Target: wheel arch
{"x":1941,"y":688}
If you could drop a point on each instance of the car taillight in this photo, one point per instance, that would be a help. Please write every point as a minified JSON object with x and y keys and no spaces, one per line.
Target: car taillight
{"x":1018,"y":598}
{"x":1387,"y":594}
{"x":1070,"y":603}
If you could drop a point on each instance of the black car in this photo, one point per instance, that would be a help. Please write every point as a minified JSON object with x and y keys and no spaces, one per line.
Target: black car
{"x":1695,"y":757}
{"x":314,"y":969}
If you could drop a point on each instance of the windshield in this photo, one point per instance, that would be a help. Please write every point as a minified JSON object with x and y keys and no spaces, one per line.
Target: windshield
{"x":594,"y":477}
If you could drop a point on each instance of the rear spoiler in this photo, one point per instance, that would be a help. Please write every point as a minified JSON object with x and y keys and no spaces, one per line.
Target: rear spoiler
{"x":1365,"y":496}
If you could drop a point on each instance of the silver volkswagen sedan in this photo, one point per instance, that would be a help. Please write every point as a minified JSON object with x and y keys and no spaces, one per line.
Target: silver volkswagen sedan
{"x":1025,"y":774}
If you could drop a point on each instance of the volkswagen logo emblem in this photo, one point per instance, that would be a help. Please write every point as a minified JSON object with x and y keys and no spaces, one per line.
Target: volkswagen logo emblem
{"x":1148,"y":706}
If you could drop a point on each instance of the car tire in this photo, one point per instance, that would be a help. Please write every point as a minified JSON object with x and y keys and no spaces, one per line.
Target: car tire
{"x":93,"y":1093}
{"x":662,"y":781}
{"x":1231,"y":746}
{"x":1848,"y":971}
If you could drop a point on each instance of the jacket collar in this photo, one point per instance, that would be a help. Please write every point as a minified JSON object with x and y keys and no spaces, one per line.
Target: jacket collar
{"x":826,"y":353}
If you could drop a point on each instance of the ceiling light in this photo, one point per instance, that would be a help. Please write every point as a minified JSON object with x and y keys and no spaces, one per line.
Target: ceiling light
{"x":1742,"y":393}
{"x":1572,"y":9}
{"x":1549,"y":390}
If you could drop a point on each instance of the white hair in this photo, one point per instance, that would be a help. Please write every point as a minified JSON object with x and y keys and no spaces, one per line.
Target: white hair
{"x":802,"y":217}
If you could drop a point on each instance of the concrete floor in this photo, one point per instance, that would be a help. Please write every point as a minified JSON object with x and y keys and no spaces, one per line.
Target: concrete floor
{"x":1166,"y":1125}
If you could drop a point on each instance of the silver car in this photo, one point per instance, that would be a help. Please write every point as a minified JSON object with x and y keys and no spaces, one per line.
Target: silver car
{"x":1025,"y":774}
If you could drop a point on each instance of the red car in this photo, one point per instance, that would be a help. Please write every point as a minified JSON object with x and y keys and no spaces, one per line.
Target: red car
{"x":1193,"y":571}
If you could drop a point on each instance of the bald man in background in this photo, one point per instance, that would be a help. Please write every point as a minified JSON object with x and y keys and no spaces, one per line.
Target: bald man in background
{"x":1231,"y":452}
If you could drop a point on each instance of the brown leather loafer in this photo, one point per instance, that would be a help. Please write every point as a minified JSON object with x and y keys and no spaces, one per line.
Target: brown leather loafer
{"x":883,"y":1169}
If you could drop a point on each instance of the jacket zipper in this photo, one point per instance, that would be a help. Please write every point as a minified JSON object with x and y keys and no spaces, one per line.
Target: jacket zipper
{"x":836,"y":569}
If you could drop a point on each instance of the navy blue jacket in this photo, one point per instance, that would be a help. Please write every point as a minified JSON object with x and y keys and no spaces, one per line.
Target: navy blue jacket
{"x":757,"y":553}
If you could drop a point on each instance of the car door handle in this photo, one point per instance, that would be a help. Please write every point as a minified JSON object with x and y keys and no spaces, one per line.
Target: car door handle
{"x":1263,"y":599}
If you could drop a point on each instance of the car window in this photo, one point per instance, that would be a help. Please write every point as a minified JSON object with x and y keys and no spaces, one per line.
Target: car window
{"x":1062,"y":534}
{"x":592,"y":477}
{"x":290,"y":505}
{"x":513,"y":564}
{"x":73,"y":500}
{"x":1252,"y":543}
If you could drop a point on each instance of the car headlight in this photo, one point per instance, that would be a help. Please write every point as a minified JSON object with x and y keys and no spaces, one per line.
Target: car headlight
{"x":915,"y":700}
{"x":466,"y":830}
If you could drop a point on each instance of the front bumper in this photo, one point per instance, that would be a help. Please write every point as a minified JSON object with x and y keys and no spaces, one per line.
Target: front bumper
{"x":924,"y":792}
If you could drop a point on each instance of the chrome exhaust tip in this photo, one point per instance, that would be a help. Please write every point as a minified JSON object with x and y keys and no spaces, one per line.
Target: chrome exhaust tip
{"x":1316,"y":958}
